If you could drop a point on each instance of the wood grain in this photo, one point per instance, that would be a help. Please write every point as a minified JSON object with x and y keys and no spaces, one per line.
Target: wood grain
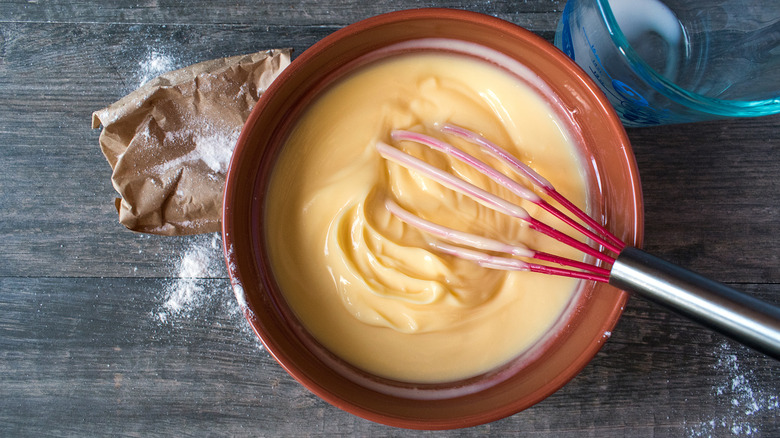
{"x":89,"y":348}
{"x":534,"y":15}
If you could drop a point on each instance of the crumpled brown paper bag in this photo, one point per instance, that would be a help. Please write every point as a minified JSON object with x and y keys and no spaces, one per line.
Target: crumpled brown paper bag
{"x":169,"y":142}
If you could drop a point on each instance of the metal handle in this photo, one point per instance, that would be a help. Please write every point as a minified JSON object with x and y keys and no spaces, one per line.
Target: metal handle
{"x":741,"y":317}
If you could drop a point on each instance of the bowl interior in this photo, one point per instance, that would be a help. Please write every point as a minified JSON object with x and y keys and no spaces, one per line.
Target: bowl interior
{"x":615,"y":195}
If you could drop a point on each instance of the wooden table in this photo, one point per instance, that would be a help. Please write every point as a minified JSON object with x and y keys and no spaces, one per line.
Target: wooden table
{"x":88,"y":345}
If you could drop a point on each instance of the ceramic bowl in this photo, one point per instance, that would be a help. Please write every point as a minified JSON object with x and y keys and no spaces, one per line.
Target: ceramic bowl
{"x":615,"y":195}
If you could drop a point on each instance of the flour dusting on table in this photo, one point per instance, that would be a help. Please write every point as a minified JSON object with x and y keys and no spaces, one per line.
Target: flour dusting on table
{"x":743,"y":402}
{"x":155,"y":63}
{"x":188,"y":291}
{"x":194,"y":292}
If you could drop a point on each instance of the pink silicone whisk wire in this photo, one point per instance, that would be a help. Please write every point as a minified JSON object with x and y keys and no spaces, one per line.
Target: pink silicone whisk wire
{"x":472,"y":247}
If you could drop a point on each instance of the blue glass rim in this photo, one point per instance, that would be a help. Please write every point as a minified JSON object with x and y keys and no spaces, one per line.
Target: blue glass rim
{"x":696,"y":101}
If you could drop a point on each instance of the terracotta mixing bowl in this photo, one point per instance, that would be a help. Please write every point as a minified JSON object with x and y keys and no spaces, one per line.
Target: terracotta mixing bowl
{"x":615,"y":195}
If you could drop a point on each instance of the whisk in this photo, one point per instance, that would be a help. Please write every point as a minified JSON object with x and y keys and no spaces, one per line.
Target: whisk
{"x":741,"y":317}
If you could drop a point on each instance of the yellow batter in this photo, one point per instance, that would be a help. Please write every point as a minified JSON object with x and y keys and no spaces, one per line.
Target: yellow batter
{"x":367,"y":286}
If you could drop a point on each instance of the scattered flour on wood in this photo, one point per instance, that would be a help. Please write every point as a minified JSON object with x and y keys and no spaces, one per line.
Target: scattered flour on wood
{"x":743,"y":402}
{"x":188,"y":291}
{"x":193,"y":292}
{"x":155,"y":63}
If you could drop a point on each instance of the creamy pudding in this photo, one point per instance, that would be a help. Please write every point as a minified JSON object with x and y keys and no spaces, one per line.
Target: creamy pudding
{"x":367,"y":286}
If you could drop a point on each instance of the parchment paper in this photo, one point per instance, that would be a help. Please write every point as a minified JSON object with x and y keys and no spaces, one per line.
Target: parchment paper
{"x":169,"y":142}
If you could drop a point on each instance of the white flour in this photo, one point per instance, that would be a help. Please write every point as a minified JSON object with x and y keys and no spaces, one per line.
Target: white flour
{"x":743,"y":402}
{"x":154,"y":64}
{"x":187,"y":292}
{"x":216,"y":148}
{"x":213,"y":146}
{"x":191,"y":293}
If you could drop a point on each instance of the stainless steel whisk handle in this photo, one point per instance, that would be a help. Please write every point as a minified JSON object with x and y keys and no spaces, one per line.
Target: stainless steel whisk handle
{"x":741,"y":317}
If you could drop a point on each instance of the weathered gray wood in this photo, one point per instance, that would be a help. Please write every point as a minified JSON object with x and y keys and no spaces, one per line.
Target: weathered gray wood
{"x":712,"y":196}
{"x":535,"y":15}
{"x":87,"y":346}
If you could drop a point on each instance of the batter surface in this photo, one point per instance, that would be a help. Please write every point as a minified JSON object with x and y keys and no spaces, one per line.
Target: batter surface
{"x":367,"y":286}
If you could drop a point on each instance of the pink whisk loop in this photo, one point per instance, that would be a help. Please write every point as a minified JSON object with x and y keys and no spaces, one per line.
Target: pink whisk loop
{"x":616,"y":245}
{"x":472,"y":247}
{"x":486,"y":244}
